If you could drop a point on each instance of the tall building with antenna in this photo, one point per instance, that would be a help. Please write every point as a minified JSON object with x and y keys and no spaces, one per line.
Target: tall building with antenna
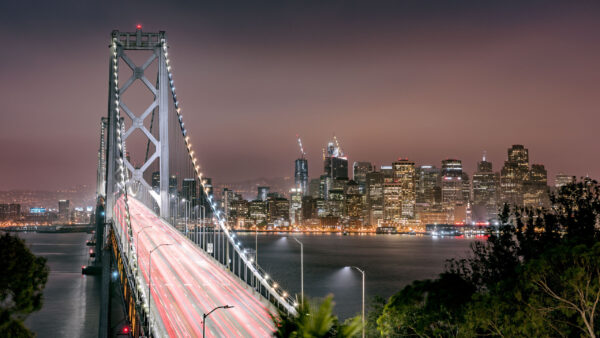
{"x":335,"y":166}
{"x":301,"y":171}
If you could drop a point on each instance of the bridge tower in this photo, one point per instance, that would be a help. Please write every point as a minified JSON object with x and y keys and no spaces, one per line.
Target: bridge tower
{"x":131,"y":41}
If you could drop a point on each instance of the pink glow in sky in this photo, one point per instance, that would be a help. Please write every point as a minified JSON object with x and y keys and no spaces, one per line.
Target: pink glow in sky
{"x":423,"y":80}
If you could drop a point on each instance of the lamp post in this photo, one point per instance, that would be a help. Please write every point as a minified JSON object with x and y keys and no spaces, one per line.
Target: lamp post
{"x":301,"y":269}
{"x":202,"y":225}
{"x":150,"y":282}
{"x":185,"y":216}
{"x":205,"y":315}
{"x":363,"y":299}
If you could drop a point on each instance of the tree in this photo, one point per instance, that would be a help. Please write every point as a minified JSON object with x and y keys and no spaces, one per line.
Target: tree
{"x":315,"y":319}
{"x":23,"y":277}
{"x":564,"y":287}
{"x":536,"y":275}
{"x":426,"y":308}
{"x":374,"y":311}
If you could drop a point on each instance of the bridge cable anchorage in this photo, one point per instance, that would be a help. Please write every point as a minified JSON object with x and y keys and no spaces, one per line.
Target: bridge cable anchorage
{"x":280,"y":295}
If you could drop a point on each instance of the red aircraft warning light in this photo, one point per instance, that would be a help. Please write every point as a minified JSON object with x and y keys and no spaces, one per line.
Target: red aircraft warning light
{"x":138,"y":26}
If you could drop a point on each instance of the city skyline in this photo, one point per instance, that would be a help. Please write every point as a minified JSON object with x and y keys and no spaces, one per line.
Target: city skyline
{"x":390,"y":80}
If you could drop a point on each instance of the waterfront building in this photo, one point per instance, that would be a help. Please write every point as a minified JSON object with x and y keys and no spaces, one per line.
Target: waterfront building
{"x":295,"y":213}
{"x":278,"y":211}
{"x":12,"y":211}
{"x":257,"y":211}
{"x":64,"y":210}
{"x":309,"y":208}
{"x":238,"y":210}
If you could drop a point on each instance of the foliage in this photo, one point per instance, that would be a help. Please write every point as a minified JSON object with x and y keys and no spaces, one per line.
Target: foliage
{"x":374,"y":311}
{"x":22,"y":280}
{"x":537,"y":275}
{"x":315,"y":319}
{"x":426,"y":307}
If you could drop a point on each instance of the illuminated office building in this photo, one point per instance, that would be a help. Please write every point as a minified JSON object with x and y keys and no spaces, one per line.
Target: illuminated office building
{"x":451,"y":184}
{"x":535,"y":188}
{"x":375,"y":197}
{"x":427,"y":179}
{"x":359,"y":174}
{"x":562,"y":179}
{"x":513,"y":175}
{"x":485,"y":192}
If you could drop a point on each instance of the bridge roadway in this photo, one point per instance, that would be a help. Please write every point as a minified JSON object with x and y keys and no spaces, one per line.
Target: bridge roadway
{"x":186,"y":282}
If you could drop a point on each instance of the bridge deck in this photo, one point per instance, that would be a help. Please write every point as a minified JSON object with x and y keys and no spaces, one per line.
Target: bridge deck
{"x":186,"y":283}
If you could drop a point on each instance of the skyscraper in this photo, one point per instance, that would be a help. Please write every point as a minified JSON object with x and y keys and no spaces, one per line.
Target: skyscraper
{"x":335,"y":163}
{"x":296,"y":206}
{"x":427,"y":178}
{"x":451,"y":182}
{"x":535,"y":188}
{"x":262,"y":193}
{"x":227,"y":198}
{"x":354,"y":208}
{"x":513,"y":175}
{"x":313,"y":188}
{"x":375,"y":197}
{"x":485,"y":193}
{"x":301,"y":175}
{"x":359,"y":174}
{"x":188,"y":189}
{"x":404,"y":174}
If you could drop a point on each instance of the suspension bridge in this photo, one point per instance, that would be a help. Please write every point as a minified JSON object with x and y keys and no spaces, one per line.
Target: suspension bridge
{"x":157,"y":221}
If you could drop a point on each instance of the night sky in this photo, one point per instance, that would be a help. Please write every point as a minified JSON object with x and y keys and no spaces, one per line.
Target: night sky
{"x":426,"y":80}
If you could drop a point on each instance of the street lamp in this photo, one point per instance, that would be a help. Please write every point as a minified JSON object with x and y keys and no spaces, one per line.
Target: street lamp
{"x":205,"y":315}
{"x":363,"y":298}
{"x":150,"y":282}
{"x":301,"y":269}
{"x":185,"y":215}
{"x":202,"y":225}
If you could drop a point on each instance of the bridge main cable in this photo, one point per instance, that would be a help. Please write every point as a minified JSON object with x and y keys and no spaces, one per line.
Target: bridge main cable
{"x":271,"y":286}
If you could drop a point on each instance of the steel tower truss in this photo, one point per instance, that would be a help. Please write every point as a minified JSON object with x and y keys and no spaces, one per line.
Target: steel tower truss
{"x":139,"y":41}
